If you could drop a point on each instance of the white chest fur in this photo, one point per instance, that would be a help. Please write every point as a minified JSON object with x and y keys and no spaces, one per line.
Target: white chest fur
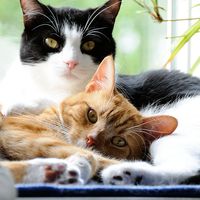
{"x":36,"y":86}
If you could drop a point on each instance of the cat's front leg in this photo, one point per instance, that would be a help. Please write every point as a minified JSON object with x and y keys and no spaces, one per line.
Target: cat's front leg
{"x":79,"y":169}
{"x":74,"y":170}
{"x":140,"y":173}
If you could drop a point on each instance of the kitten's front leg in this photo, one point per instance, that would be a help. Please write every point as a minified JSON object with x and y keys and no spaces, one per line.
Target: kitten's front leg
{"x":76,"y":169}
{"x":142,"y":173}
{"x":136,"y":173}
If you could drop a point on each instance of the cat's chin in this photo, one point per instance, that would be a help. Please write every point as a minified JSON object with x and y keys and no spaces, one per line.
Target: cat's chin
{"x":70,"y":76}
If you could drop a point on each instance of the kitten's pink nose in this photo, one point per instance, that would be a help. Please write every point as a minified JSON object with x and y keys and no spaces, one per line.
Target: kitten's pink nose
{"x":90,"y":141}
{"x":71,"y":64}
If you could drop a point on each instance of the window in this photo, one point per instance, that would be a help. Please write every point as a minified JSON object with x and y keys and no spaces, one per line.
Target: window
{"x":141,"y":42}
{"x":184,"y":9}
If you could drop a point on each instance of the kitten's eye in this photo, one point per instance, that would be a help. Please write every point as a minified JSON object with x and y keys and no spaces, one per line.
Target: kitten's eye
{"x":88,"y":46}
{"x":118,"y":141}
{"x":50,"y":42}
{"x":92,"y":116}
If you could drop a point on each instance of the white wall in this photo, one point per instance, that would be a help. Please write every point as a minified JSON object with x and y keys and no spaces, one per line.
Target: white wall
{"x":8,"y":53}
{"x":184,"y":9}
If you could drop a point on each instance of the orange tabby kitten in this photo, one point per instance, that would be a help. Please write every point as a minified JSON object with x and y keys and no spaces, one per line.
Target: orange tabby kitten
{"x":98,"y":119}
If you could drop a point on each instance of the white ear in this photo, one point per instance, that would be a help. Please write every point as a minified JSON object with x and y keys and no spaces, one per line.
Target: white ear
{"x":104,"y":77}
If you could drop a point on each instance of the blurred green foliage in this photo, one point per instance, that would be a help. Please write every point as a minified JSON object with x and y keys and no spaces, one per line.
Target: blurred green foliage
{"x":11,"y":15}
{"x":130,"y":29}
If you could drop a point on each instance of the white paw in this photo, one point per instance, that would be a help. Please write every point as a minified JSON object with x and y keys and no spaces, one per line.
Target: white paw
{"x":81,"y":167}
{"x":74,"y":170}
{"x":136,"y":173}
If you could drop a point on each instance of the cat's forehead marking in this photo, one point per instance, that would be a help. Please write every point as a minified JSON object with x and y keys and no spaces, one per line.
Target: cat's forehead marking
{"x":73,"y":37}
{"x":73,"y":33}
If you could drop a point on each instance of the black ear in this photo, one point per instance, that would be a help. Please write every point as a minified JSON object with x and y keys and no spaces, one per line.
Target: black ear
{"x":30,"y":9}
{"x":110,"y":9}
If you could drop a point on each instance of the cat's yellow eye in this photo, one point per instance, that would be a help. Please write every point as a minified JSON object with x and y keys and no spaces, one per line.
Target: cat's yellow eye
{"x":88,"y":46}
{"x":52,"y":43}
{"x":118,"y":141}
{"x":92,"y":116}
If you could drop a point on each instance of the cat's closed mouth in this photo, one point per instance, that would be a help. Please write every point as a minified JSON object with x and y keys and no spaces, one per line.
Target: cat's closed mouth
{"x":70,"y":76}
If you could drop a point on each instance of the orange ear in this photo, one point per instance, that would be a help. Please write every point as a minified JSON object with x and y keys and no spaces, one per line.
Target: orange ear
{"x":104,"y":77}
{"x":158,"y":126}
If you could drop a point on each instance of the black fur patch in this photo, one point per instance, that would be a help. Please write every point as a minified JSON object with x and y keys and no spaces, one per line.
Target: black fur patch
{"x":194,"y":180}
{"x":158,"y":87}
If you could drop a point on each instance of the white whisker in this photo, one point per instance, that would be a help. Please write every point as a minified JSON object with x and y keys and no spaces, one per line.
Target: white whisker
{"x":52,"y":124}
{"x":55,"y":18}
{"x":44,"y":25}
{"x":86,"y":25}
{"x":89,"y":24}
{"x":90,"y":34}
{"x":42,"y":14}
{"x":97,"y":32}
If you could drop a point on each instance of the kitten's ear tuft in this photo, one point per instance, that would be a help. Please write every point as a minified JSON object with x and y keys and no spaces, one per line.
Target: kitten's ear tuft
{"x":104,"y":77}
{"x":111,"y":9}
{"x":30,"y":9}
{"x":158,"y":126}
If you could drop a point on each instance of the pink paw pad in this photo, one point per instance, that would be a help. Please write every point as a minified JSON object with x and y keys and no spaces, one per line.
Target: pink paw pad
{"x":54,"y":172}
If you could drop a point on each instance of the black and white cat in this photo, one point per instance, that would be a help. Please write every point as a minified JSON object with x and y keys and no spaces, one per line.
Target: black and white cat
{"x":60,"y":51}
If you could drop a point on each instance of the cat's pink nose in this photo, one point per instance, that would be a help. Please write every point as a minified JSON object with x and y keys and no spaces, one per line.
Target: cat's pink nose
{"x":90,"y":141}
{"x":71,"y":64}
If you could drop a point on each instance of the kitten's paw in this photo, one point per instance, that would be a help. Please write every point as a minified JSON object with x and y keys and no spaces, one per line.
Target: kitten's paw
{"x":136,"y":173}
{"x":45,"y":170}
{"x":74,"y":170}
{"x":79,"y":169}
{"x":55,"y":173}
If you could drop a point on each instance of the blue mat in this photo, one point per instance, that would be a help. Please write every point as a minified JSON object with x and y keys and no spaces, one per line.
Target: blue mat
{"x":48,"y":190}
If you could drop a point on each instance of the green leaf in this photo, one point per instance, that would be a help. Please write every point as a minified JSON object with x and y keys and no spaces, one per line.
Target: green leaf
{"x":196,"y":5}
{"x":194,"y":66}
{"x":187,"y":36}
{"x":155,"y":3}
